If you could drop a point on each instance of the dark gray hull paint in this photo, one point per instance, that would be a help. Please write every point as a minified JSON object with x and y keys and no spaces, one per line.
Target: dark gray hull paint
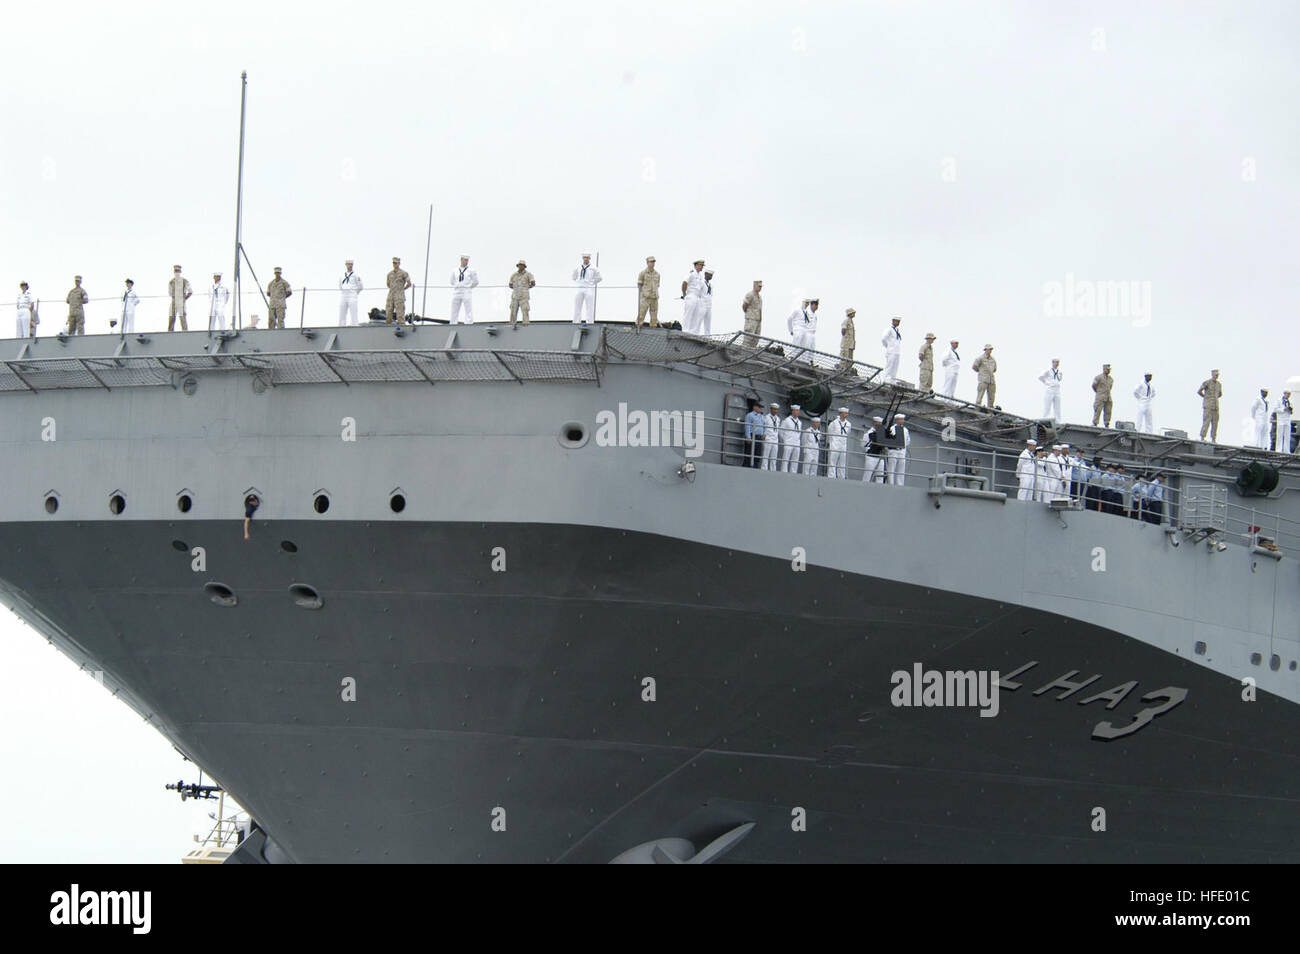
{"x":522,"y":690}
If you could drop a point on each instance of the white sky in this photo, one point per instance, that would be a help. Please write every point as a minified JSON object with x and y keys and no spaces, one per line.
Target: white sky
{"x":813,"y":146}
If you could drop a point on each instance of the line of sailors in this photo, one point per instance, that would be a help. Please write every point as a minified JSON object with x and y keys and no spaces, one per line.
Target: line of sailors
{"x":1064,"y":473}
{"x":793,"y":444}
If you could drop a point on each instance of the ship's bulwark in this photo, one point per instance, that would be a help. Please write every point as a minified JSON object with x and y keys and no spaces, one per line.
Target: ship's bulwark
{"x":523,"y":690}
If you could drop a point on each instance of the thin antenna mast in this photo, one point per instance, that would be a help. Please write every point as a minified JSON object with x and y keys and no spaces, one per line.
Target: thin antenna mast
{"x":428,"y":240}
{"x":237,"y":311}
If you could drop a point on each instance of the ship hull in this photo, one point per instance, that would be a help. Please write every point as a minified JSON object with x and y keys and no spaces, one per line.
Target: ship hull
{"x":495,"y":691}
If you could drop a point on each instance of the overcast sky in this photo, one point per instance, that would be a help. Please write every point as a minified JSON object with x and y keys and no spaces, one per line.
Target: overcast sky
{"x":944,"y":162}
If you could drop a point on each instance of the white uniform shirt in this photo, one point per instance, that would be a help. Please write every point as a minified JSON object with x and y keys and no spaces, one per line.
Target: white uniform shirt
{"x":791,"y":430}
{"x":802,"y":321}
{"x":812,"y":438}
{"x":1144,"y":392}
{"x":1259,"y":410}
{"x":951,"y":362}
{"x":892,"y":339}
{"x":1051,"y":378}
{"x":1025,"y":466}
{"x":463,"y":279}
{"x":129,"y":301}
{"x":588,"y":276}
{"x":694,"y":284}
{"x":25,"y":301}
{"x":350,"y":284}
{"x":771,"y":427}
{"x":218,"y":298}
{"x":837,"y":434}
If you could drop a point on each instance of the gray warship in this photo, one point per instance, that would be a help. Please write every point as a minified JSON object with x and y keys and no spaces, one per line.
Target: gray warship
{"x":469,"y":626}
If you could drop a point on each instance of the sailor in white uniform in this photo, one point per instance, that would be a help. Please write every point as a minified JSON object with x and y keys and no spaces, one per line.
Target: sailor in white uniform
{"x":1051,"y":379}
{"x":218,"y":295}
{"x":837,"y":444}
{"x":1259,"y":412}
{"x":1284,"y":424}
{"x":586,"y":277}
{"x":350,"y":287}
{"x":791,"y":441}
{"x":1145,"y":394}
{"x":129,"y":302}
{"x":1025,"y":470}
{"x":1042,"y":479}
{"x":813,"y":436}
{"x":463,"y":282}
{"x":692,"y":292}
{"x":893,"y":343}
{"x":771,"y":436}
{"x":704,"y":316}
{"x":873,"y":470}
{"x":803,"y":325}
{"x":951,"y":365}
{"x":25,"y":306}
{"x":897,"y":456}
{"x":1056,"y":471}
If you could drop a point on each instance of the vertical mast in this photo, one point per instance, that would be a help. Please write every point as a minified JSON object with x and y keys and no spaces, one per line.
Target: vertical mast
{"x":236,"y":312}
{"x":427,"y":241}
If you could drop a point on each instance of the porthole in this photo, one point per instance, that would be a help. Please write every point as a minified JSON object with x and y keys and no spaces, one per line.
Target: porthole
{"x":51,"y":504}
{"x":220,"y":594}
{"x":321,"y":503}
{"x":288,"y":546}
{"x":1275,"y":662}
{"x":1200,"y":648}
{"x":116,"y":504}
{"x":184,"y":502}
{"x":397,"y":503}
{"x":1292,"y":666}
{"x":1256,"y":659}
{"x":573,"y":434}
{"x":181,"y":546}
{"x":305,"y":596}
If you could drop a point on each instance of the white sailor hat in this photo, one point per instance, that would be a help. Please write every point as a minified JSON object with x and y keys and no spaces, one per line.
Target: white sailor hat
{"x":795,"y":407}
{"x":463,"y":255}
{"x":878,"y":418}
{"x":586,"y":255}
{"x":774,"y":404}
{"x":1056,"y":447}
{"x":843,"y":410}
{"x":900,"y":417}
{"x":816,"y":420}
{"x":1031,"y":441}
{"x":850,"y":311}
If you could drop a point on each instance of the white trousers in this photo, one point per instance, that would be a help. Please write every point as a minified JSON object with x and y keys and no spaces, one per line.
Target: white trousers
{"x":1026,"y":491}
{"x":891,"y":366}
{"x":835,"y":464}
{"x":1284,"y":436}
{"x":896,"y":467}
{"x":128,"y":323}
{"x":874,"y":471}
{"x":459,"y":300}
{"x":584,"y":299}
{"x":805,"y":339}
{"x":769,"y":453}
{"x":690,"y":315}
{"x":810,"y":462}
{"x":949,"y":383}
{"x":347,"y":310}
{"x":790,"y":458}
{"x":24,"y":323}
{"x":217,"y":321}
{"x":1144,"y":424}
{"x":1261,"y":433}
{"x":704,"y":317}
{"x":1052,"y":405}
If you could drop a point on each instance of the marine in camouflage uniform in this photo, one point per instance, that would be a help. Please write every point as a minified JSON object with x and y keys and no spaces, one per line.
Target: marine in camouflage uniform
{"x":752,"y":306}
{"x":77,"y":298}
{"x":520,"y":282}
{"x":1102,"y":403}
{"x":1210,"y":391}
{"x":647,"y":286}
{"x":986,"y":367}
{"x":926,"y":356}
{"x":848,"y":336}
{"x":276,"y":293}
{"x":398,"y":283}
{"x":178,"y":292}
